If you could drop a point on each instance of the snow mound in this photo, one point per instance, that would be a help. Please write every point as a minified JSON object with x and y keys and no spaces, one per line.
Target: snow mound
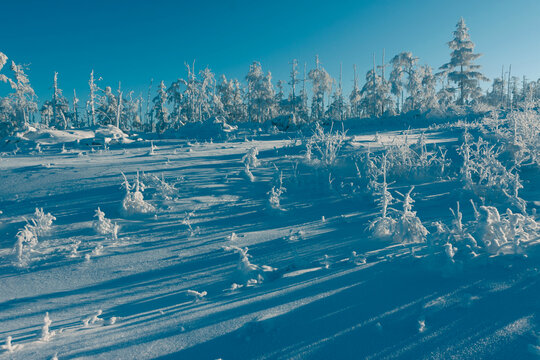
{"x":46,"y":136}
{"x":214,"y":128}
{"x":110,"y":134}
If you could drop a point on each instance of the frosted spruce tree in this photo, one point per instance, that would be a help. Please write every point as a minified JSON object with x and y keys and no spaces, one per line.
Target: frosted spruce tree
{"x":461,"y":70}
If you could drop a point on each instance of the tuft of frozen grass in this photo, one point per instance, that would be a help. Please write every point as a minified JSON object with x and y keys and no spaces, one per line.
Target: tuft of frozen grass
{"x":327,"y":144}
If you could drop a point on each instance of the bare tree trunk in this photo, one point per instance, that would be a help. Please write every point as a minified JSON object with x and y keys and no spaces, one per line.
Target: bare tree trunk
{"x":119,"y":106}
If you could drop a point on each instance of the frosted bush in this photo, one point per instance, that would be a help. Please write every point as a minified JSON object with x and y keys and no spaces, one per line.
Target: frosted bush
{"x":134,"y":203}
{"x":165,"y":190}
{"x":26,"y":241}
{"x":408,"y":227}
{"x":327,"y":144}
{"x":505,"y":234}
{"x":247,"y":272}
{"x":9,"y":347}
{"x":46,"y":333}
{"x":383,"y":226}
{"x":197,"y":296}
{"x":104,"y":226}
{"x":481,"y":171}
{"x":41,"y":223}
{"x":274,"y":199}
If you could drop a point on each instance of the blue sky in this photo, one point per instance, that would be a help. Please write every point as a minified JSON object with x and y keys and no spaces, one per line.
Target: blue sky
{"x":134,"y":41}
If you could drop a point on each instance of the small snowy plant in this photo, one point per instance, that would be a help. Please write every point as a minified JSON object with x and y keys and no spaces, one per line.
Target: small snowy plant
{"x":46,"y":333}
{"x":275,"y":193}
{"x":9,"y":347}
{"x":247,"y":272}
{"x":26,"y":241}
{"x":133,"y":203}
{"x":409,"y":228}
{"x":197,"y":296}
{"x":250,"y":161}
{"x":328,"y":144}
{"x":41,"y":223}
{"x":104,"y":226}
{"x":383,"y":226}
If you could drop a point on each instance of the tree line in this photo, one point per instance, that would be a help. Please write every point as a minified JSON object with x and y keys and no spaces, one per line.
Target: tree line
{"x":406,"y":86}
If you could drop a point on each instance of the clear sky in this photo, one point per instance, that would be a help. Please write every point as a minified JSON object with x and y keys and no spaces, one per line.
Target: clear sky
{"x":134,"y":41}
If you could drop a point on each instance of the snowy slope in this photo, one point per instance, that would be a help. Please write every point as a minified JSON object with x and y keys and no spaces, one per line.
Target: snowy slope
{"x":297,"y":293}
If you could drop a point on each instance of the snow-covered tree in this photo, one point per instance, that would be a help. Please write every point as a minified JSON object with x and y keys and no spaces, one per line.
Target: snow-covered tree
{"x":261,"y":102}
{"x":376,"y":100}
{"x":338,"y":108}
{"x":403,"y":64}
{"x":159,"y":110}
{"x":321,"y":85}
{"x":17,"y":108}
{"x":175,"y":98}
{"x":92,"y":101}
{"x":108,"y":108}
{"x":231,"y":97}
{"x":355,"y":97}
{"x":55,"y":112}
{"x":461,"y":70}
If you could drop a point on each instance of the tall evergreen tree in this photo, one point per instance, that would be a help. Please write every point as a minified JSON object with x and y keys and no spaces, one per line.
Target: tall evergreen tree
{"x":461,"y":70}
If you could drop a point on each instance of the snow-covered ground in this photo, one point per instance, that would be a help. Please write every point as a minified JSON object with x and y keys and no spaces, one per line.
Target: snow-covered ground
{"x":237,"y":253}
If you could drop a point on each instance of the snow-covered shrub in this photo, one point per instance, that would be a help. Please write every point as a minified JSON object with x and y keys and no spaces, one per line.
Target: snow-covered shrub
{"x":9,"y":347}
{"x":27,"y":238}
{"x":46,"y":333}
{"x":187,"y":221}
{"x":327,"y":144}
{"x":104,"y":226}
{"x":26,"y":241}
{"x":93,"y":319}
{"x":275,"y":193}
{"x":250,"y":161}
{"x":482,"y":171}
{"x":383,"y":226}
{"x":246,"y":272}
{"x":41,"y":223}
{"x":505,"y":234}
{"x":165,"y":190}
{"x":408,"y":227}
{"x":520,"y":128}
{"x":134,"y":203}
{"x":197,"y":296}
